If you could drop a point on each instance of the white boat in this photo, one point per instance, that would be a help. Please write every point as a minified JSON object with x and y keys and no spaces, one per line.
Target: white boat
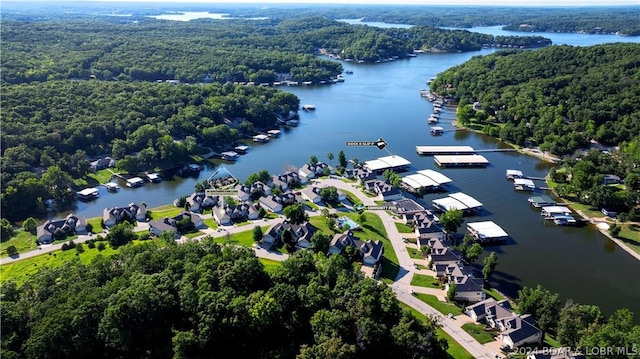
{"x":309,"y":107}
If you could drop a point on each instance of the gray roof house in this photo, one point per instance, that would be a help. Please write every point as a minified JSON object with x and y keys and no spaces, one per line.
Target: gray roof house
{"x":169,"y":224}
{"x":53,"y":229}
{"x":384,"y":190}
{"x":519,"y":330}
{"x":370,"y":251}
{"x":311,"y":194}
{"x":115,"y":215}
{"x":271,"y":203}
{"x":199,"y":201}
{"x":226,"y":214}
{"x":286,"y":180}
{"x":300,"y":233}
{"x":468,"y":287}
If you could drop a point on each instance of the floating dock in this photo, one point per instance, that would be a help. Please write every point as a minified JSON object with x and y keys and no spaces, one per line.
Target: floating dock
{"x":513,"y":174}
{"x":487,"y":232}
{"x":389,"y":162}
{"x":153,"y":177}
{"x":261,"y":138}
{"x":437,"y":130}
{"x":88,"y":193}
{"x":445,"y":150}
{"x":550,"y":212}
{"x":461,"y":161}
{"x":135,"y":182}
{"x":542,"y":201}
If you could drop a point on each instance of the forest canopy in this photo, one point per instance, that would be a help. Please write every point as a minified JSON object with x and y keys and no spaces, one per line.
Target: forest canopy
{"x":199,"y":298}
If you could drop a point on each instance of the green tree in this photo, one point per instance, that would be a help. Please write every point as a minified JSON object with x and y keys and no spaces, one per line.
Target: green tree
{"x":320,"y":242}
{"x":120,"y":234}
{"x":6,"y":230}
{"x":342,"y":159}
{"x":295,"y":213}
{"x":614,"y":230}
{"x":474,"y":252}
{"x":451,"y":292}
{"x":260,"y":176}
{"x":329,"y":194}
{"x":12,"y":251}
{"x":257,"y":234}
{"x":542,"y":304}
{"x":330,"y":157}
{"x":490,"y":262}
{"x":313,"y":160}
{"x":451,"y":220}
{"x":619,"y":331}
{"x":575,"y":321}
{"x":30,"y":225}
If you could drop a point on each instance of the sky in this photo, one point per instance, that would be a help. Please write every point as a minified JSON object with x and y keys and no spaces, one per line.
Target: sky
{"x":536,"y":3}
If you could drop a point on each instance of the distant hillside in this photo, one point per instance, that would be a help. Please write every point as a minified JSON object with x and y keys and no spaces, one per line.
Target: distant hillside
{"x":560,"y":97}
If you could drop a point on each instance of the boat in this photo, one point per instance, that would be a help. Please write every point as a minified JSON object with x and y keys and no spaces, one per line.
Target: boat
{"x":348,"y":72}
{"x":292,"y":123}
{"x":194,"y":167}
{"x":309,"y":107}
{"x":433,"y":119}
{"x":437,"y":131}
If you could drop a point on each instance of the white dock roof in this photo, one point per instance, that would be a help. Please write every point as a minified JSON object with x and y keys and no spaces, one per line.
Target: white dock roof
{"x":524,"y":182}
{"x":487,"y":229}
{"x":135,"y":180}
{"x":468,"y":201}
{"x":460,"y":159}
{"x":418,"y":181}
{"x":382,"y":163}
{"x":444,"y":149}
{"x":435,"y":176}
{"x":448,"y":203}
{"x":514,"y":173}
{"x":555,"y":209}
{"x":88,"y":192}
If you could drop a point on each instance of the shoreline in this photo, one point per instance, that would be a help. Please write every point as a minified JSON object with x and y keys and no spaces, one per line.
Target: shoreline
{"x":544,"y":156}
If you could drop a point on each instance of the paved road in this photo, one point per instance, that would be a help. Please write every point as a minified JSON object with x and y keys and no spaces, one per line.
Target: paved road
{"x":401,"y":287}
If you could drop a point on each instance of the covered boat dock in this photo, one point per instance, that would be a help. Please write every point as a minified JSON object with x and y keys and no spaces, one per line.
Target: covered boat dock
{"x":426,"y":179}
{"x":542,"y":201}
{"x":461,"y":161}
{"x":445,"y":150}
{"x":458,"y":200}
{"x":389,"y":162}
{"x":487,"y":232}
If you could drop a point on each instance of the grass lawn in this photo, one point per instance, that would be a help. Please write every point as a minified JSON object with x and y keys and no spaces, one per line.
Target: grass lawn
{"x":493,"y":294}
{"x":269,"y":264}
{"x":194,"y":234}
{"x":311,"y":205}
{"x":168,"y":211}
{"x":443,"y":307}
{"x":23,"y":241}
{"x":271,"y":215}
{"x":630,"y":235}
{"x":455,"y":350}
{"x":403,"y":228}
{"x":350,"y":196}
{"x":96,"y":224}
{"x":586,"y":209}
{"x":244,"y":238}
{"x":478,"y":332}
{"x":421,"y":280}
{"x":22,"y":270}
{"x":94,"y":179}
{"x":420,"y":266}
{"x":414,"y":253}
{"x":371,"y":229}
{"x":211,"y":223}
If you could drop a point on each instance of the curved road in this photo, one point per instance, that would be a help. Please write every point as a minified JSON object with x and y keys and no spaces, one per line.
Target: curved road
{"x":401,"y":286}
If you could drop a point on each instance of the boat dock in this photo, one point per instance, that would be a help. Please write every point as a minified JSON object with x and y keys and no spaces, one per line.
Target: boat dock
{"x":542,"y":201}
{"x":88,"y":194}
{"x":445,"y":150}
{"x":261,"y":138}
{"x":523,"y":184}
{"x":426,"y":179}
{"x":458,"y":200}
{"x":389,"y":162}
{"x":461,"y":161}
{"x":135,"y":182}
{"x":487,"y":232}
{"x":436,"y":130}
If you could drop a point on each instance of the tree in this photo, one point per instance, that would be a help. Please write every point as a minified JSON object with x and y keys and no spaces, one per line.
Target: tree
{"x":451,"y":292}
{"x":257,"y":234}
{"x":313,"y":160}
{"x":543,"y":305}
{"x":451,"y":220}
{"x":260,"y":176}
{"x":575,"y":321}
{"x":474,"y":252}
{"x":330,"y":157}
{"x":329,"y":194}
{"x":6,"y":230}
{"x":342,"y":159}
{"x":490,"y":262}
{"x":120,"y":234}
{"x":320,"y":242}
{"x":295,"y":213}
{"x":30,"y":225}
{"x":614,"y":230}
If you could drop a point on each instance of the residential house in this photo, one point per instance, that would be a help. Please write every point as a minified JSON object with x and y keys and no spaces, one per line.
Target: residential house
{"x":287,"y":180}
{"x":170,"y":224}
{"x":300,"y":233}
{"x":370,"y":251}
{"x":384,"y":190}
{"x":488,"y":307}
{"x":115,"y":215}
{"x":445,"y":254}
{"x":59,"y":229}
{"x":428,"y":230}
{"x":226,"y":214}
{"x":271,"y":203}
{"x":199,"y":201}
{"x":311,"y":194}
{"x":360,"y":174}
{"x":309,"y":171}
{"x":467,"y":287}
{"x":519,"y":330}
{"x":102,"y":163}
{"x":255,"y":190}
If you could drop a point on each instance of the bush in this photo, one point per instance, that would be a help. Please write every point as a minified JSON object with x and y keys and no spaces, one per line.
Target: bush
{"x":79,"y":248}
{"x":101,"y":246}
{"x":91,"y":244}
{"x":12,"y":251}
{"x":144,"y":236}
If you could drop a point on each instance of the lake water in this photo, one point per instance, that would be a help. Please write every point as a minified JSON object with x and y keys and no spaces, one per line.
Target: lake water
{"x":383,"y":100}
{"x":193,"y":15}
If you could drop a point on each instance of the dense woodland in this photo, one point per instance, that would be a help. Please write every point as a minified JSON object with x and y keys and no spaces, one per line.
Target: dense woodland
{"x":201,"y":300}
{"x":86,"y":87}
{"x":563,"y":98}
{"x":588,"y":19}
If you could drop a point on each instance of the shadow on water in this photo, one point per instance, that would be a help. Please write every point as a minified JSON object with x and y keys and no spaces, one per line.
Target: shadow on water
{"x":461,"y":135}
